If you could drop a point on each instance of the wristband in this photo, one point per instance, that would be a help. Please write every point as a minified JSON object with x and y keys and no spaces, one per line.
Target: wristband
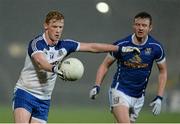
{"x":98,"y":88}
{"x":159,"y":97}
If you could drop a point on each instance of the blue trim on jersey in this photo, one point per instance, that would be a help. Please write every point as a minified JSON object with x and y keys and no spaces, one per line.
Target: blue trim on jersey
{"x":160,"y":55}
{"x":133,"y":70}
{"x":39,"y":44}
{"x":68,"y":44}
{"x":38,"y":108}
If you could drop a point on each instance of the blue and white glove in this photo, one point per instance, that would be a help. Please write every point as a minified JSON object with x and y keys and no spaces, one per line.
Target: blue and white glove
{"x":94,"y":92}
{"x":156,"y":104}
{"x":127,"y":49}
{"x":61,"y":74}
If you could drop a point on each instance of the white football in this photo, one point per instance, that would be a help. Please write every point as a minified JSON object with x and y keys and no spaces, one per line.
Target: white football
{"x":72,"y":68}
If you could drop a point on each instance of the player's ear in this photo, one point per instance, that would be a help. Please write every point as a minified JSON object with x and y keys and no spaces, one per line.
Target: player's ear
{"x":45,"y":26}
{"x":150,"y":28}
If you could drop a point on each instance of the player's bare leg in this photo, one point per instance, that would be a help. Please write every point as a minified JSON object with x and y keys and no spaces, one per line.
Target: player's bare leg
{"x":121,"y":113}
{"x":21,"y":115}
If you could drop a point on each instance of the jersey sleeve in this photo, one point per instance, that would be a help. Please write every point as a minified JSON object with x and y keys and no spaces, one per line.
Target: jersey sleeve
{"x":159,"y":54}
{"x":34,"y":47}
{"x":71,"y":45}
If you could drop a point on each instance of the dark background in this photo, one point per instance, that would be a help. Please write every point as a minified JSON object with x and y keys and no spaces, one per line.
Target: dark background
{"x":21,"y":20}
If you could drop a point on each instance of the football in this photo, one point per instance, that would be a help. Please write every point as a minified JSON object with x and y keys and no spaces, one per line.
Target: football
{"x":72,"y":68}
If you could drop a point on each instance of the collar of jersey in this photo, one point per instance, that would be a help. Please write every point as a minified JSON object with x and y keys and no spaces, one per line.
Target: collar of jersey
{"x":47,"y":42}
{"x":138,"y":44}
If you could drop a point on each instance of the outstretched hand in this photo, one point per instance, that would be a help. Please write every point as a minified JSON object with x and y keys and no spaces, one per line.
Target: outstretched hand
{"x":127,"y":49}
{"x":59,"y":72}
{"x":62,"y":75}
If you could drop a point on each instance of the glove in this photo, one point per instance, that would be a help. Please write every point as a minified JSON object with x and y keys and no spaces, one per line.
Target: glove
{"x":60,"y":73}
{"x":94,"y":92}
{"x":130,"y":49}
{"x":156,"y":104}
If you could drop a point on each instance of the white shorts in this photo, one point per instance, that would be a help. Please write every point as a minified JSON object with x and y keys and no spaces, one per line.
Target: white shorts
{"x":117,"y":98}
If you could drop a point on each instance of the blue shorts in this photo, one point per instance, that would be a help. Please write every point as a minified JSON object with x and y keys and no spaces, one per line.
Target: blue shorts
{"x":38,"y":108}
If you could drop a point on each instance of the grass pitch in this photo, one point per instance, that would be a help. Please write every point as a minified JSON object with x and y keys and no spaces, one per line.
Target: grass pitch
{"x":90,"y":115}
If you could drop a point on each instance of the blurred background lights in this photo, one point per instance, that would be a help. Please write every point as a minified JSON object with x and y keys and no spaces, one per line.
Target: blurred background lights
{"x":102,"y":7}
{"x":16,"y":50}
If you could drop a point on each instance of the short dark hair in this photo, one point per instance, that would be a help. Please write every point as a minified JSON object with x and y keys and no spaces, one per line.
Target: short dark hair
{"x":144,"y":15}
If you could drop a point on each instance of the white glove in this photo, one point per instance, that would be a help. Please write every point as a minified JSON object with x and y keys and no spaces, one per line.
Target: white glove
{"x":156,"y":104}
{"x":94,"y":92}
{"x":60,"y":73}
{"x":130,"y":49}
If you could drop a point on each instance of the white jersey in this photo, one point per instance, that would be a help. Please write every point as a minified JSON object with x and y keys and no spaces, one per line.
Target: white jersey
{"x":39,"y":82}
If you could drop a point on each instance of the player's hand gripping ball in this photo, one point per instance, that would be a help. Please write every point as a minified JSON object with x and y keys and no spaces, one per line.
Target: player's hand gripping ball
{"x":72,"y":69}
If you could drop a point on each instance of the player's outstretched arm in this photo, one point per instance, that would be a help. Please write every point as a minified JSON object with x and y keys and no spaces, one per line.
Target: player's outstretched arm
{"x":101,"y":73}
{"x":97,"y":47}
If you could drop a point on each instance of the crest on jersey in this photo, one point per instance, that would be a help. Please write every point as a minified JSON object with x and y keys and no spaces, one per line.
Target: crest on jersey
{"x":45,"y":51}
{"x":148,"y":51}
{"x":61,"y":53}
{"x":51,"y":55}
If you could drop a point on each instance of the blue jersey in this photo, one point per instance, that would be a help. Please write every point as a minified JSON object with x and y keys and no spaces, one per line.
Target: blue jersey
{"x":36,"y":81}
{"x":133,"y":70}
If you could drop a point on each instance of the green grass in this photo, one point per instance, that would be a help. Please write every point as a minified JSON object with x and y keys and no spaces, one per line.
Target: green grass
{"x":80,"y":115}
{"x":91,"y":115}
{"x":148,"y":117}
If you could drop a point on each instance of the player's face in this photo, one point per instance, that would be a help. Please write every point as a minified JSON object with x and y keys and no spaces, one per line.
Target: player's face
{"x":142,"y":27}
{"x":54,"y":30}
